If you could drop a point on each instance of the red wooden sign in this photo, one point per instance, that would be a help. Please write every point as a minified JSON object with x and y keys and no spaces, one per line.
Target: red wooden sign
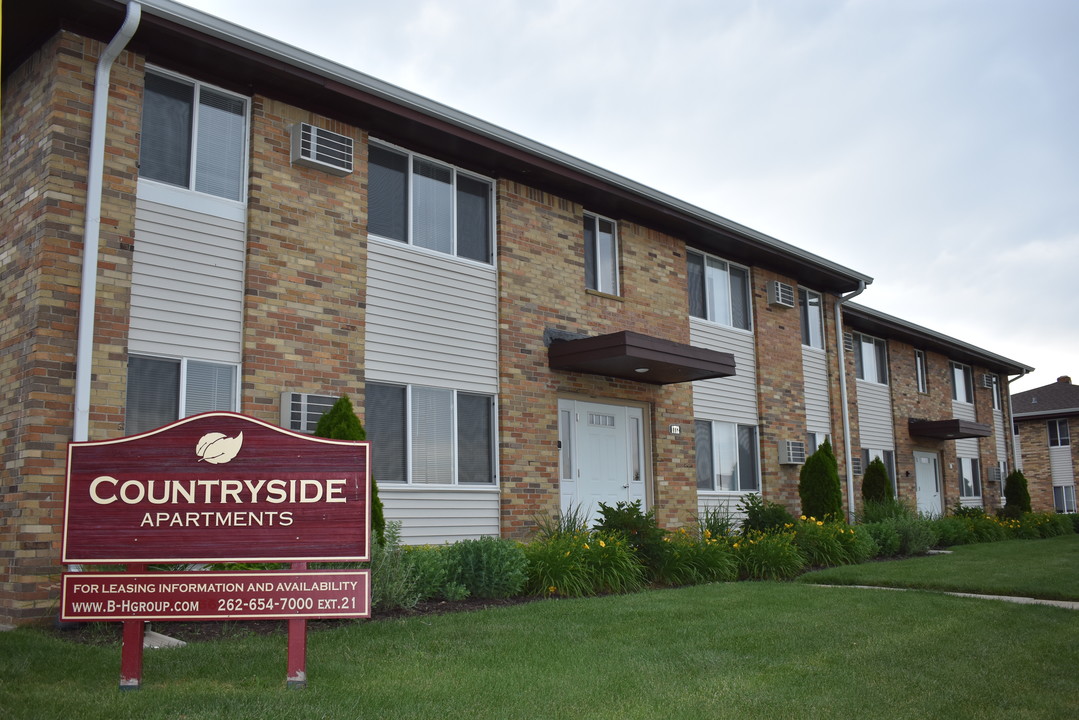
{"x":217,"y":487}
{"x":211,"y":595}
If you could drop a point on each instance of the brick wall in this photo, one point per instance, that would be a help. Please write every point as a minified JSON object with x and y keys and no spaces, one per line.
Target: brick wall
{"x":306,"y":268}
{"x":541,"y":262}
{"x":46,"y":129}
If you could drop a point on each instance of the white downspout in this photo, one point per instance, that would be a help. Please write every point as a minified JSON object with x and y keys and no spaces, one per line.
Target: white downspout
{"x":843,"y":393}
{"x":84,"y":353}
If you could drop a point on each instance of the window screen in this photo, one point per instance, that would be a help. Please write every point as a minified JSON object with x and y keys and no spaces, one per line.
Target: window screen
{"x":165,"y":153}
{"x":153,"y":393}
{"x":475,"y":439}
{"x":384,"y":412}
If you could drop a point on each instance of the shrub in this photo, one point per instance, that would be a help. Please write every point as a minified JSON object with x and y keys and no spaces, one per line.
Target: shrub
{"x":431,"y":568}
{"x":556,"y":566}
{"x":488,"y":567}
{"x":611,"y":564}
{"x":876,"y":485}
{"x":1016,"y":494}
{"x":568,"y":522}
{"x":761,"y":516}
{"x":952,"y":530}
{"x":818,"y":541}
{"x":686,"y":559}
{"x":716,"y":522}
{"x":885,"y":535}
{"x":340,"y":423}
{"x":639,"y":529}
{"x":768,"y":556}
{"x":1044,"y":525}
{"x":818,"y":485}
{"x":876,"y":510}
{"x":1074,"y":518}
{"x":393,"y":578}
{"x":916,"y":535}
{"x":858,"y":545}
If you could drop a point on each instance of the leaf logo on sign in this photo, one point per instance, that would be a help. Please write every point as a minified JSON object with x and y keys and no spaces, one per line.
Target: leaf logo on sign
{"x":218,"y":448}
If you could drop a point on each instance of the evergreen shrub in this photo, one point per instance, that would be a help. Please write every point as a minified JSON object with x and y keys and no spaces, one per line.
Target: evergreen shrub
{"x":761,"y":516}
{"x":1016,"y":494}
{"x":488,"y":567}
{"x":819,"y":487}
{"x":876,"y":485}
{"x":340,"y":423}
{"x":640,"y":529}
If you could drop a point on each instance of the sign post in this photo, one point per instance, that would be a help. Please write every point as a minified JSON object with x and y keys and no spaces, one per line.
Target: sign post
{"x":216,"y":488}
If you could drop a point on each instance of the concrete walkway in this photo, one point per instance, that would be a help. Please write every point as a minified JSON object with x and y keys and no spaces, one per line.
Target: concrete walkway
{"x":1066,"y":604}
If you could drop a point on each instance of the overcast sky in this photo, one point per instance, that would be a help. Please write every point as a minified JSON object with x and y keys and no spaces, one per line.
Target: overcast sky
{"x":930,"y":144}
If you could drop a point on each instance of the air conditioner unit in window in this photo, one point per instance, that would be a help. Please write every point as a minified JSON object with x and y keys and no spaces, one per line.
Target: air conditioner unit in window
{"x":301,"y":411}
{"x":792,"y":452}
{"x":321,"y":149}
{"x":988,"y":381}
{"x":780,"y":293}
{"x":856,"y":465}
{"x":995,"y":475}
{"x":848,"y":341}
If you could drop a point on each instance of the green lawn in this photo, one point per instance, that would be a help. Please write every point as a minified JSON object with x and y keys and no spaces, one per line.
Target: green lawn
{"x":736,"y":650}
{"x":1031,"y":568}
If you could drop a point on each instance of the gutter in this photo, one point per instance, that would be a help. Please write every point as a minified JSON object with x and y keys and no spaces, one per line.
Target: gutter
{"x":91,"y":239}
{"x":841,"y":353}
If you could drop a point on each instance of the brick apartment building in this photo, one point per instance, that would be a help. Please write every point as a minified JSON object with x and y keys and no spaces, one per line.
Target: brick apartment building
{"x":521,"y":332}
{"x":1043,"y":418}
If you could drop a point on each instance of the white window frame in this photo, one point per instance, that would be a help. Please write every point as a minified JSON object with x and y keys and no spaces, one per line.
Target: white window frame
{"x":410,"y":459}
{"x":607,"y":279}
{"x":182,"y":389}
{"x":814,"y":440}
{"x":1064,"y":498}
{"x":887,"y":457}
{"x":812,"y":335}
{"x":997,"y":400}
{"x":1056,"y":437}
{"x":714,"y":457}
{"x":969,"y":476}
{"x":921,"y":371}
{"x":709,"y":263}
{"x":455,"y":173}
{"x":876,"y":348}
{"x":959,"y":370}
{"x":245,"y":151}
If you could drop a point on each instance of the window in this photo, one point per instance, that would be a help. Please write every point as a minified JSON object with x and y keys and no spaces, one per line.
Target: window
{"x":962,"y":383}
{"x":870,"y":359}
{"x":726,"y":457}
{"x":600,"y":255}
{"x":814,"y":440}
{"x":1059,"y":436}
{"x":921,"y":371}
{"x":970,"y":481}
{"x":718,"y":291}
{"x":811,"y":307}
{"x":193,"y":136}
{"x":430,"y":436}
{"x":418,"y":201}
{"x":161,"y":390}
{"x":997,"y":404}
{"x":1064,"y":498}
{"x":886,"y":456}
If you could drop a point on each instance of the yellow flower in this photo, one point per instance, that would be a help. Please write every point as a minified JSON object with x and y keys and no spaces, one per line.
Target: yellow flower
{"x":803,"y":517}
{"x":602,"y":544}
{"x":567,"y":554}
{"x":552,"y":589}
{"x":736,"y":546}
{"x":819,"y":522}
{"x":586,"y":546}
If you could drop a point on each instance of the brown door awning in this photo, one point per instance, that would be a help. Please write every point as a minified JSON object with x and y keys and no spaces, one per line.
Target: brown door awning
{"x":643,"y":358}
{"x":952,"y":429}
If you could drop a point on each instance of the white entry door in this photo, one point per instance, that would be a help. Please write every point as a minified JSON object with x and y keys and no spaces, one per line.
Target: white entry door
{"x":927,"y":477}
{"x":601,"y":449}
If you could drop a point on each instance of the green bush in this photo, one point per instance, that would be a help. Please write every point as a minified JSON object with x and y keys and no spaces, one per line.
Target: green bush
{"x":885,"y":536}
{"x":761,"y":516}
{"x":876,"y":485}
{"x":431,"y":568}
{"x":768,"y":556}
{"x":1016,"y":494}
{"x":876,"y":510}
{"x":952,"y":530}
{"x":639,"y":529}
{"x":819,"y":543}
{"x":858,"y":545}
{"x":916,"y":535}
{"x":1045,"y":525}
{"x":393,"y":577}
{"x":340,"y":423}
{"x":687,"y":560}
{"x":1074,"y":518}
{"x":818,"y":485}
{"x":716,"y":522}
{"x":567,"y":522}
{"x":488,"y":567}
{"x":584,"y":563}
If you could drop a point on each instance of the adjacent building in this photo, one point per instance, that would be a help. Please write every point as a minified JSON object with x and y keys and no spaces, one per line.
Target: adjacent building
{"x":1044,"y":451}
{"x":240,"y":225}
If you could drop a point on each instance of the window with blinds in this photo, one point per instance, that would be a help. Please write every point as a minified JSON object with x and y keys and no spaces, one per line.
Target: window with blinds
{"x":161,"y":390}
{"x":193,"y":136}
{"x":430,"y":436}
{"x":428,"y":204}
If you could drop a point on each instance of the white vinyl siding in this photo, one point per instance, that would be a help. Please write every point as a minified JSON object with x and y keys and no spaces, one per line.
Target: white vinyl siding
{"x":815,"y":377}
{"x":435,"y":517}
{"x":431,"y":320}
{"x":875,"y":429}
{"x":187,"y":280}
{"x":730,"y":399}
{"x":1060,"y":465}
